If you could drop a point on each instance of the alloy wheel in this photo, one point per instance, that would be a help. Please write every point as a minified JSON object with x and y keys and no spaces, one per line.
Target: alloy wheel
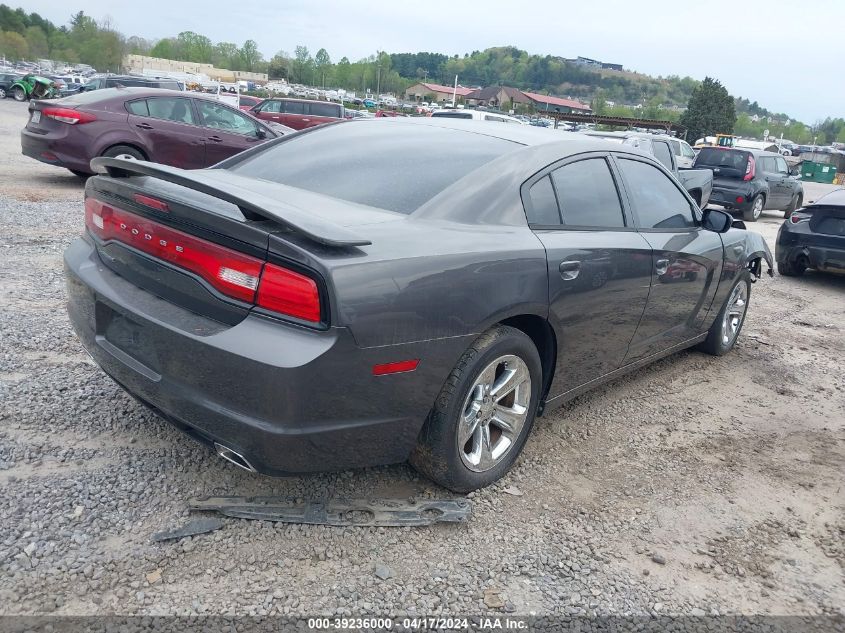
{"x":734,"y":313}
{"x":126,"y":156}
{"x":757,"y":211}
{"x":2,"y":93}
{"x":494,"y":413}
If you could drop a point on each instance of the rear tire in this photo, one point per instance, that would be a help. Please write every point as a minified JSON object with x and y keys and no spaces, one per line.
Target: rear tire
{"x":18,"y":93}
{"x":793,"y":269}
{"x":756,"y":210}
{"x":124,"y":151}
{"x":468,"y":409}
{"x":725,"y":330}
{"x":2,"y":93}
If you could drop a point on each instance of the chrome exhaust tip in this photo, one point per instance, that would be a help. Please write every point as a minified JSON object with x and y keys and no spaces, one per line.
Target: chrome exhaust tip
{"x":234,"y":457}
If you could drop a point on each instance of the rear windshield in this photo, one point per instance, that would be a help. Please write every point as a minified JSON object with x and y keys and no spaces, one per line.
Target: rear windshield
{"x":453,"y":115}
{"x":404,"y":165}
{"x":730,"y":162}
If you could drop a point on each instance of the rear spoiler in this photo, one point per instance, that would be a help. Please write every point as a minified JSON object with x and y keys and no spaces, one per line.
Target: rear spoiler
{"x":253,"y":205}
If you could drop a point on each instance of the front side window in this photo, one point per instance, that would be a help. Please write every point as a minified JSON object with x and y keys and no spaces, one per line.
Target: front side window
{"x":687,"y":150}
{"x":781,"y":166}
{"x":587,"y":194}
{"x":663,"y":154}
{"x":273,"y":107}
{"x":656,"y":198}
{"x":218,"y":116}
{"x":171,"y":109}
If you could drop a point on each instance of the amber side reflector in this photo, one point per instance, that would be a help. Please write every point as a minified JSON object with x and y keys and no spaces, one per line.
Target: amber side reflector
{"x":395,"y":368}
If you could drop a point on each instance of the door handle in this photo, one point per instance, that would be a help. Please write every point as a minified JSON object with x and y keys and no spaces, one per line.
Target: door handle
{"x":144,"y":126}
{"x":569,"y":270}
{"x":661,"y":266}
{"x":306,"y":119}
{"x":216,"y":139}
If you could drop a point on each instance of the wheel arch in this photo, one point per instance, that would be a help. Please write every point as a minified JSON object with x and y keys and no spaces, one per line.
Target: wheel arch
{"x":134,"y":145}
{"x":539,"y":330}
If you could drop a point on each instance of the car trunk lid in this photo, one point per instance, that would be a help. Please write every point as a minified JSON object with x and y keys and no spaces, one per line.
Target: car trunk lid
{"x":727,"y":164}
{"x":200,"y":239}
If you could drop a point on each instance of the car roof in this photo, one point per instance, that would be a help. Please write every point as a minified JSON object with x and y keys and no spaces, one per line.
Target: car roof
{"x":521,"y":134}
{"x":301,"y":100}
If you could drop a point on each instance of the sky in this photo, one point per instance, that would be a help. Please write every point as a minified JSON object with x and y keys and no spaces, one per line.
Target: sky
{"x":782,"y":54}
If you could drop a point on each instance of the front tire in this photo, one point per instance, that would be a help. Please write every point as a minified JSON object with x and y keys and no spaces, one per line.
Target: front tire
{"x":483,"y":414}
{"x":18,"y":93}
{"x":756,"y":210}
{"x":724,"y":332}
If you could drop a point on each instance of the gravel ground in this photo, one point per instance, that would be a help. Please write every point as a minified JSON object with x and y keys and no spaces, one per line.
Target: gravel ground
{"x":695,"y":486}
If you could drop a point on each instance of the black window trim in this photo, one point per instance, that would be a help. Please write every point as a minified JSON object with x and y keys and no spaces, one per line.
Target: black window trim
{"x":616,"y":156}
{"x":575,"y":158}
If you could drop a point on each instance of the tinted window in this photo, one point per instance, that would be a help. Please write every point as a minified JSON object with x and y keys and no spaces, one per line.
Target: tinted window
{"x":325,"y":109}
{"x":587,"y":194}
{"x":218,"y":116}
{"x":453,"y":115}
{"x":138,"y":107}
{"x":731,"y":162}
{"x":542,"y":208}
{"x":292,"y":107}
{"x":663,"y":154}
{"x":402,"y":168}
{"x":171,"y":109}
{"x":658,"y":201}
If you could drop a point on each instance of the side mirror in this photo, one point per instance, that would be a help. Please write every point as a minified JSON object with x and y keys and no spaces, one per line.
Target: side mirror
{"x":716,"y":220}
{"x":261,"y":133}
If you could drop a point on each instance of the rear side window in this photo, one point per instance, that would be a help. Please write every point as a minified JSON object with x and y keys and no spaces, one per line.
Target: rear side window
{"x":138,"y":107}
{"x":325,"y":109}
{"x":542,"y":204}
{"x":657,"y":200}
{"x":453,"y":115}
{"x":402,"y":169}
{"x":292,"y":107}
{"x":171,"y":109}
{"x":663,"y":154}
{"x":587,"y":194}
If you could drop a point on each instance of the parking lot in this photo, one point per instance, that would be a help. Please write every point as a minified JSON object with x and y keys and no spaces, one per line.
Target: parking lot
{"x":692,"y":486}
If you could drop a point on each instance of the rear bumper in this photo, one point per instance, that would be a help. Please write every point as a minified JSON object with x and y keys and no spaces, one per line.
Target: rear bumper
{"x":826,"y":257}
{"x":727,"y":197}
{"x":290,"y":400}
{"x":51,"y":150}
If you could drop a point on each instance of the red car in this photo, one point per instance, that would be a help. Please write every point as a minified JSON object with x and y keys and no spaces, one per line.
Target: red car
{"x":245,"y":102}
{"x":299,"y":113}
{"x":183,"y":129}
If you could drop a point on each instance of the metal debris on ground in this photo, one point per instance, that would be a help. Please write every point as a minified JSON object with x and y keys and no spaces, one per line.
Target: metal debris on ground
{"x":339,"y":512}
{"x":194,"y":527}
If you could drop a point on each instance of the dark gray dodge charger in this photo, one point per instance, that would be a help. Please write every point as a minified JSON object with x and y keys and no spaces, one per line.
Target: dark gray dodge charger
{"x":379,"y":291}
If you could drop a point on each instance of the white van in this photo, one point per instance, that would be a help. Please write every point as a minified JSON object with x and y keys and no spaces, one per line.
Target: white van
{"x":476,"y":115}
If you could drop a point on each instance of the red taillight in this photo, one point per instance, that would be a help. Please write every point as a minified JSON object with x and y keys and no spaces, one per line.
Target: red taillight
{"x":288,"y":292}
{"x":158,"y":205}
{"x":232,"y":273}
{"x":750,"y":169}
{"x":68,"y":115}
{"x":797,"y":217}
{"x":739,"y":199}
{"x":395,"y":368}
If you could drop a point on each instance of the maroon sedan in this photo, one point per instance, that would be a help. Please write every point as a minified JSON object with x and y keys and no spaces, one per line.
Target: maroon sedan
{"x":182,"y":129}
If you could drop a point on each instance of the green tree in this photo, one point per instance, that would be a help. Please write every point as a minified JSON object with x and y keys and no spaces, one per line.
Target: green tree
{"x":226,"y":55}
{"x":36,"y":40}
{"x":322,"y":62}
{"x":13,"y":45}
{"x":303,"y":65}
{"x":711,"y":110}
{"x":250,"y":55}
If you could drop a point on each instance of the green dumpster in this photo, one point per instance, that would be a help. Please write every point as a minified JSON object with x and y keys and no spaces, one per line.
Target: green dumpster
{"x":812,"y":171}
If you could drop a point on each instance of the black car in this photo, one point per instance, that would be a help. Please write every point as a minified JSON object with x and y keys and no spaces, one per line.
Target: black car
{"x":131,"y":81}
{"x":6,"y":81}
{"x":301,"y":309}
{"x":750,"y":181}
{"x":813,"y":237}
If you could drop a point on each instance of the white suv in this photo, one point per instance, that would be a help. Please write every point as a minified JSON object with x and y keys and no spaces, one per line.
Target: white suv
{"x":476,"y":115}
